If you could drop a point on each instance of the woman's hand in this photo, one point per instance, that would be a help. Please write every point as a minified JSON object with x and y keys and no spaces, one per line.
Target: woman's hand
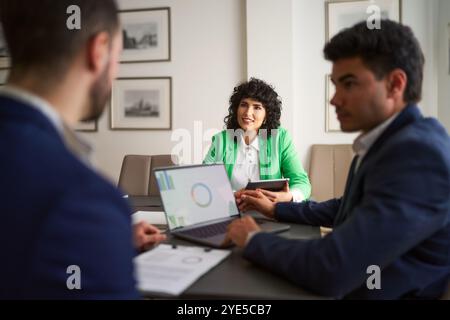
{"x":256,"y":200}
{"x":238,"y":195}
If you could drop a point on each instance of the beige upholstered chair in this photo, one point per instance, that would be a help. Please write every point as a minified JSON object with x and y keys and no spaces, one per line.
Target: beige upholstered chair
{"x":136,"y":176}
{"x":328,"y":170}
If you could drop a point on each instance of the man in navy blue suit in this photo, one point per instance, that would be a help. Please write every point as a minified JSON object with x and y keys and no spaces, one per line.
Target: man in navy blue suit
{"x":394,"y":216}
{"x":65,"y":232}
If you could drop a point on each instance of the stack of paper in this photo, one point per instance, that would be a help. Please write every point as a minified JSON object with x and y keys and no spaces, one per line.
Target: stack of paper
{"x":171,"y":270}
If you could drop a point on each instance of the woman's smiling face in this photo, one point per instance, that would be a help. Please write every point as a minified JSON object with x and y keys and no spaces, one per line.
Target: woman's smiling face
{"x":250,"y":114}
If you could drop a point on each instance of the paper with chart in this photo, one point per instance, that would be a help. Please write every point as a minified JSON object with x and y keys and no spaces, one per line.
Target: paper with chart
{"x":169,"y":270}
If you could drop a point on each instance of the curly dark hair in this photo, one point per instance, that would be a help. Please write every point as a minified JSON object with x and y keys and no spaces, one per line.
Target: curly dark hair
{"x":262,"y":92}
{"x":382,"y":50}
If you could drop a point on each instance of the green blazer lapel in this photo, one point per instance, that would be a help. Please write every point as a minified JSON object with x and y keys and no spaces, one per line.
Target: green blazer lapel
{"x":230,"y":152}
{"x":265,"y":153}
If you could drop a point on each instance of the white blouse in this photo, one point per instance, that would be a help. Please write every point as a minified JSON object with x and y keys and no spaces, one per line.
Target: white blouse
{"x":246,"y":168}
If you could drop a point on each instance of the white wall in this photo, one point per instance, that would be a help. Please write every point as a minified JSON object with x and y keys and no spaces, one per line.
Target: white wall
{"x":270,"y":53}
{"x":310,"y":69}
{"x":208,"y":60}
{"x":422,"y":16}
{"x":444,"y":62}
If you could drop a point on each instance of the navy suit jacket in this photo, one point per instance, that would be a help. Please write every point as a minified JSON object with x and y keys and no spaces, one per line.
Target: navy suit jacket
{"x":56,"y":212}
{"x":395,"y":213}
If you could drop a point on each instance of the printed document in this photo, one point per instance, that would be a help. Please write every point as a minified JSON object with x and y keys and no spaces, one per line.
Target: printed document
{"x":171,"y":270}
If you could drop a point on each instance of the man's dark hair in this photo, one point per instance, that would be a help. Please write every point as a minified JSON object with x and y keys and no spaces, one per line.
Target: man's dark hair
{"x":37,"y":35}
{"x":382,"y":50}
{"x":262,"y":92}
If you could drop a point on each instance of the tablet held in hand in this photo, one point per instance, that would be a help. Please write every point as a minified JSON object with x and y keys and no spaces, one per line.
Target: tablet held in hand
{"x":271,"y":185}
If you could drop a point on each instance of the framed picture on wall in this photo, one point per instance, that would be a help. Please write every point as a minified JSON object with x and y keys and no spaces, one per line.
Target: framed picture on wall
{"x":4,"y":60}
{"x":341,"y":14}
{"x":146,"y":35}
{"x":4,"y":63}
{"x":3,"y":76}
{"x":2,"y":44}
{"x":141,"y":104}
{"x":87,"y":126}
{"x":331,"y":121}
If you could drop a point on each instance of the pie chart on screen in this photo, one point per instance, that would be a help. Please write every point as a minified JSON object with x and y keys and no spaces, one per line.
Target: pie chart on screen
{"x":201,"y":195}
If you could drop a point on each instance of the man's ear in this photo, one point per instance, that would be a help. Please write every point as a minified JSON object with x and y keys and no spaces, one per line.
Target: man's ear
{"x":98,"y":52}
{"x":396,"y":83}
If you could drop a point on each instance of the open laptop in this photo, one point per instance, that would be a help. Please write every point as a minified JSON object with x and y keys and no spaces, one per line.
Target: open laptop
{"x":199,"y":203}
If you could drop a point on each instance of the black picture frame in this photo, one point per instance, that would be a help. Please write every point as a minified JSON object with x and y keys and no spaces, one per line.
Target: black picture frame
{"x":146,"y":35}
{"x":87,"y":126}
{"x":141,"y":103}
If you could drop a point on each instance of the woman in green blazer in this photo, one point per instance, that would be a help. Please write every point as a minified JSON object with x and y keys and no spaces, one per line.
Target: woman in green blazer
{"x":255,"y":147}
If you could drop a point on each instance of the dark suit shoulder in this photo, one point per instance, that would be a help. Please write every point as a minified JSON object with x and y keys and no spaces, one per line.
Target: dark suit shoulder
{"x":425,"y":139}
{"x":57,"y":212}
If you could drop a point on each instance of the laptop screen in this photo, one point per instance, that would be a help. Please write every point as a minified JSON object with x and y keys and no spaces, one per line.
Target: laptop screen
{"x":195,"y":194}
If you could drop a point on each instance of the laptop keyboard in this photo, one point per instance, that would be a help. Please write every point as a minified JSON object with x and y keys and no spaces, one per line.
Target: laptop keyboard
{"x":208,"y":231}
{"x":212,"y":229}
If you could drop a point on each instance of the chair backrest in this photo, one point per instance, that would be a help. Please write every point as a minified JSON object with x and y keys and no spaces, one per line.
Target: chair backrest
{"x":328,"y":170}
{"x":136,"y":176}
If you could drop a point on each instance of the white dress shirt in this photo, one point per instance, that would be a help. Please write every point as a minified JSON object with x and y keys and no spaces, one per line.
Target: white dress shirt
{"x":364,"y":141}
